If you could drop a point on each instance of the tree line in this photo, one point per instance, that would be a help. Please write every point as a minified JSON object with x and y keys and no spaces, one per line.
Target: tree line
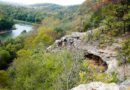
{"x":6,"y":23}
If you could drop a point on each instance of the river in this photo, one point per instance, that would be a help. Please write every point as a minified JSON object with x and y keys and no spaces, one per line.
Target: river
{"x":14,"y":33}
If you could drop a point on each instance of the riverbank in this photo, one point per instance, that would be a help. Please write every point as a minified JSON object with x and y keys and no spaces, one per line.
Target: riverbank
{"x":12,"y":33}
{"x":22,"y":22}
{"x":6,"y":31}
{"x":14,"y":28}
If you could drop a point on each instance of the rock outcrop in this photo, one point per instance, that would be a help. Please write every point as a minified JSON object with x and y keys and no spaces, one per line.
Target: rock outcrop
{"x":123,"y":72}
{"x":75,"y":40}
{"x":97,"y":86}
{"x":104,"y":86}
{"x":106,"y":55}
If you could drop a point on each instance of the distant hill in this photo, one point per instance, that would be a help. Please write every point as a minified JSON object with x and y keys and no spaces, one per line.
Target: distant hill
{"x":39,"y":12}
{"x":56,"y":7}
{"x":45,"y":5}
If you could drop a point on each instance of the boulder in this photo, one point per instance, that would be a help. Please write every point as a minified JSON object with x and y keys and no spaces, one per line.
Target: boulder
{"x":97,"y":86}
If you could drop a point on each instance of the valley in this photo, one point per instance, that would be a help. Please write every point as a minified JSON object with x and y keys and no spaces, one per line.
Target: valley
{"x":55,"y":47}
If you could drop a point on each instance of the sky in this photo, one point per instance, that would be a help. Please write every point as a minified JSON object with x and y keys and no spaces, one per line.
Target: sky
{"x":60,"y":2}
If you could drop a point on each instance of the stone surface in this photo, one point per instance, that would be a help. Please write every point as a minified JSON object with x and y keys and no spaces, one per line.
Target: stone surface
{"x":123,"y":70}
{"x":68,"y":40}
{"x":104,"y":86}
{"x":108,"y":54}
{"x":75,"y":40}
{"x":97,"y":86}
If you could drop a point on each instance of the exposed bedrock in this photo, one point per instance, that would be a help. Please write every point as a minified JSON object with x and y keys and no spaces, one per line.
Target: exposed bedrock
{"x":104,"y":57}
{"x":107,"y":55}
{"x":104,"y":86}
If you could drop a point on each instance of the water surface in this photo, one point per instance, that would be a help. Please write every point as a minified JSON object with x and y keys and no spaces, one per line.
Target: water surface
{"x":14,"y":33}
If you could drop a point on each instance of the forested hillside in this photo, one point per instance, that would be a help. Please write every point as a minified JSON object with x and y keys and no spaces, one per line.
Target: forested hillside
{"x":35,"y":13}
{"x":5,"y":22}
{"x":86,"y":44}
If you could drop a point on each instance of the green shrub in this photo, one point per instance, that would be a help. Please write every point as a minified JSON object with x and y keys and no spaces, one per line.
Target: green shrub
{"x":45,"y":36}
{"x":45,"y":71}
{"x":3,"y":79}
{"x":60,"y":32}
{"x":105,"y":40}
{"x":96,"y":34}
{"x":124,"y":53}
{"x":23,"y":52}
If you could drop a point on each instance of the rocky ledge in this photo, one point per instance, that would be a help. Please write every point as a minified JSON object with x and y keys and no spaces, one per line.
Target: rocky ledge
{"x":75,"y":40}
{"x":107,"y":56}
{"x":104,"y":86}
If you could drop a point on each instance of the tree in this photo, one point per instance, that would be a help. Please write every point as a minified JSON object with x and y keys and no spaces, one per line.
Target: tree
{"x":60,"y":32}
{"x":6,"y":23}
{"x":4,"y":59}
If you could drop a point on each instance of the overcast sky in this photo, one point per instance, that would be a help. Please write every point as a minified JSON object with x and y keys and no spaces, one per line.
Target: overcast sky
{"x":61,"y":2}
